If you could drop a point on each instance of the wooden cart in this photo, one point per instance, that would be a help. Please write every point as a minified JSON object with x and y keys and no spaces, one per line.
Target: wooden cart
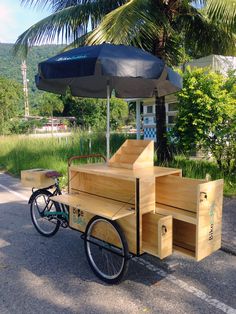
{"x":128,"y":207}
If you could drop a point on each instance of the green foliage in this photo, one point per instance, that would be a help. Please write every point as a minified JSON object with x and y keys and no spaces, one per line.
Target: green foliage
{"x":10,"y":96}
{"x":199,"y":169}
{"x":24,"y":152}
{"x":10,"y":66}
{"x":20,"y":126}
{"x":207,"y":116}
{"x":49,"y":103}
{"x":91,"y":112}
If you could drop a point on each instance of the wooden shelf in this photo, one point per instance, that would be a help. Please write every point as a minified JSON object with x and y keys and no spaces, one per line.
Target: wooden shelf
{"x":126,"y":174}
{"x":177,"y":213}
{"x":96,"y":205}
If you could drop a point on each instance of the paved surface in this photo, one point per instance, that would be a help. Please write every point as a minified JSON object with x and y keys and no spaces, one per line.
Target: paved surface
{"x":40,"y":275}
{"x":229,"y":225}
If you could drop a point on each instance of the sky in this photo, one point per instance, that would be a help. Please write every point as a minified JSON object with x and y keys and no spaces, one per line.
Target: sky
{"x":15,"y":19}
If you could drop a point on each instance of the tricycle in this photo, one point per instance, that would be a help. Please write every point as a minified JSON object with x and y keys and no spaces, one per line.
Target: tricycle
{"x":126,"y":207}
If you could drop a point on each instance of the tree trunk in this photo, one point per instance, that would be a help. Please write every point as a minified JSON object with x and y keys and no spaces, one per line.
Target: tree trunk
{"x":161,"y":147}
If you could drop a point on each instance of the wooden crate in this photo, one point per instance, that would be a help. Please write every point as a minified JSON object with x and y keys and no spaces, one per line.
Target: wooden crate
{"x":36,"y":178}
{"x":196,"y":207}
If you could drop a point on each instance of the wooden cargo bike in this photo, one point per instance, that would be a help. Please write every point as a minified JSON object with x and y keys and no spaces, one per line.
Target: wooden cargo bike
{"x":127,"y":207}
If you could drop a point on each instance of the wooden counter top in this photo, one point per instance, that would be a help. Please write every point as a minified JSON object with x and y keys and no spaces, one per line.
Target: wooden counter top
{"x":128,"y":174}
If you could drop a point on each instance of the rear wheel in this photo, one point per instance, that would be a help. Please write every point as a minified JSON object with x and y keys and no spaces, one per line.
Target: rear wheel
{"x":40,"y":209}
{"x":106,"y":249}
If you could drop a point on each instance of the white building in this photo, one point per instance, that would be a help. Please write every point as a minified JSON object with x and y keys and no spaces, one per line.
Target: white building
{"x":215,"y":62}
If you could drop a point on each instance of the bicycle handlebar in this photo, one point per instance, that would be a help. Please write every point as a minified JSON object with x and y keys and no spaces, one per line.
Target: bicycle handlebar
{"x":86,"y":156}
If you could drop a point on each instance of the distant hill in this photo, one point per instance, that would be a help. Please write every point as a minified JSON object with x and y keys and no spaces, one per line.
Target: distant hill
{"x":10,"y":66}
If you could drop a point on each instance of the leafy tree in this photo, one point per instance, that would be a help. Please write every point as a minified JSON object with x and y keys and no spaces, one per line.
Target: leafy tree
{"x":91,"y":112}
{"x":207,"y":116}
{"x":166,"y":28}
{"x":223,"y":10}
{"x":48,"y":104}
{"x":20,"y":126}
{"x":10,"y":95}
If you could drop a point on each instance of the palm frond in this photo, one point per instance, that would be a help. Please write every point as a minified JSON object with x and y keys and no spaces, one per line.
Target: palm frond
{"x":78,"y":42}
{"x":223,"y":11}
{"x":203,"y":36}
{"x":67,"y":24}
{"x":130,"y":22}
{"x":58,"y":5}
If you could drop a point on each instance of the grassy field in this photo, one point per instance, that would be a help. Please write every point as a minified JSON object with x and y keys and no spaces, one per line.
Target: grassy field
{"x":22,"y":152}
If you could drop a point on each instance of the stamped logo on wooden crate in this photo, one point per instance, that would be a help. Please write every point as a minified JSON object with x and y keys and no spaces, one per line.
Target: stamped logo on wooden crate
{"x":78,"y":217}
{"x":211,"y":214}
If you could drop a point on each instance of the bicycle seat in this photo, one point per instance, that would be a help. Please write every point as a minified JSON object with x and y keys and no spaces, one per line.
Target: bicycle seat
{"x":53,"y":174}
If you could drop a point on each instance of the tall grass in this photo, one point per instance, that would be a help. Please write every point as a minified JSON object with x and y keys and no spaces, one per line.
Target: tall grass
{"x":199,"y":169}
{"x":23,"y":152}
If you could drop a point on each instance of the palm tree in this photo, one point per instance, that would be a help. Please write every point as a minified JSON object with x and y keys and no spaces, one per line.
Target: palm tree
{"x":169,"y":29}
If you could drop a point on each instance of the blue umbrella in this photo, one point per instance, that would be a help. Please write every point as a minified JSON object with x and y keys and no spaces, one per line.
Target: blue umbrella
{"x":96,"y":71}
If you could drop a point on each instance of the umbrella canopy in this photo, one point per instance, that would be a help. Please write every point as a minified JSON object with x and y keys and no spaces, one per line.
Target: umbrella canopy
{"x":87,"y":71}
{"x":95,"y":71}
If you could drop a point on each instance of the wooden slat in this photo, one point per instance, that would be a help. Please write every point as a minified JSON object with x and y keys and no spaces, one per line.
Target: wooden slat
{"x":177,"y":213}
{"x":96,"y":205}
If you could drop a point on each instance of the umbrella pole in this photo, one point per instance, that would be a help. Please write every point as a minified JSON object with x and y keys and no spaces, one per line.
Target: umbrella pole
{"x":108,"y":121}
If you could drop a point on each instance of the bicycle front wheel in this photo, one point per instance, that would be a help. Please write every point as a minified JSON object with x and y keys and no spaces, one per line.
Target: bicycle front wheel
{"x":41,"y":210}
{"x":106,"y":249}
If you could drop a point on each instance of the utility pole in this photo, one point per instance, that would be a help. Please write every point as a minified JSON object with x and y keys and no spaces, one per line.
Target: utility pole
{"x":25,"y":87}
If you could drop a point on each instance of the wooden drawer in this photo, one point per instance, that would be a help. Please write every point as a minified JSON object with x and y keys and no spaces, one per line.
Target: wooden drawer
{"x":157,"y":235}
{"x":196,"y":207}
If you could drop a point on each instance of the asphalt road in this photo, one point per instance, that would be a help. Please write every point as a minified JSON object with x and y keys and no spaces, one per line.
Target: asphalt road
{"x":40,"y":275}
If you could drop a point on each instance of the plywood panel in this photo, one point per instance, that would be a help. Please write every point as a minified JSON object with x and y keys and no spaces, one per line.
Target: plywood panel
{"x":96,"y":205}
{"x":178,"y":192}
{"x":128,"y":156}
{"x":157,"y":235}
{"x":147,"y":195}
{"x":117,"y":189}
{"x":78,"y":219}
{"x":209,"y":218}
{"x":128,"y":226}
{"x":184,"y":235}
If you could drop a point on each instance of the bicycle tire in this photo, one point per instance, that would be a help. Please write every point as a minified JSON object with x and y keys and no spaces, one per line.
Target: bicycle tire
{"x":108,"y":260}
{"x":46,"y":226}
